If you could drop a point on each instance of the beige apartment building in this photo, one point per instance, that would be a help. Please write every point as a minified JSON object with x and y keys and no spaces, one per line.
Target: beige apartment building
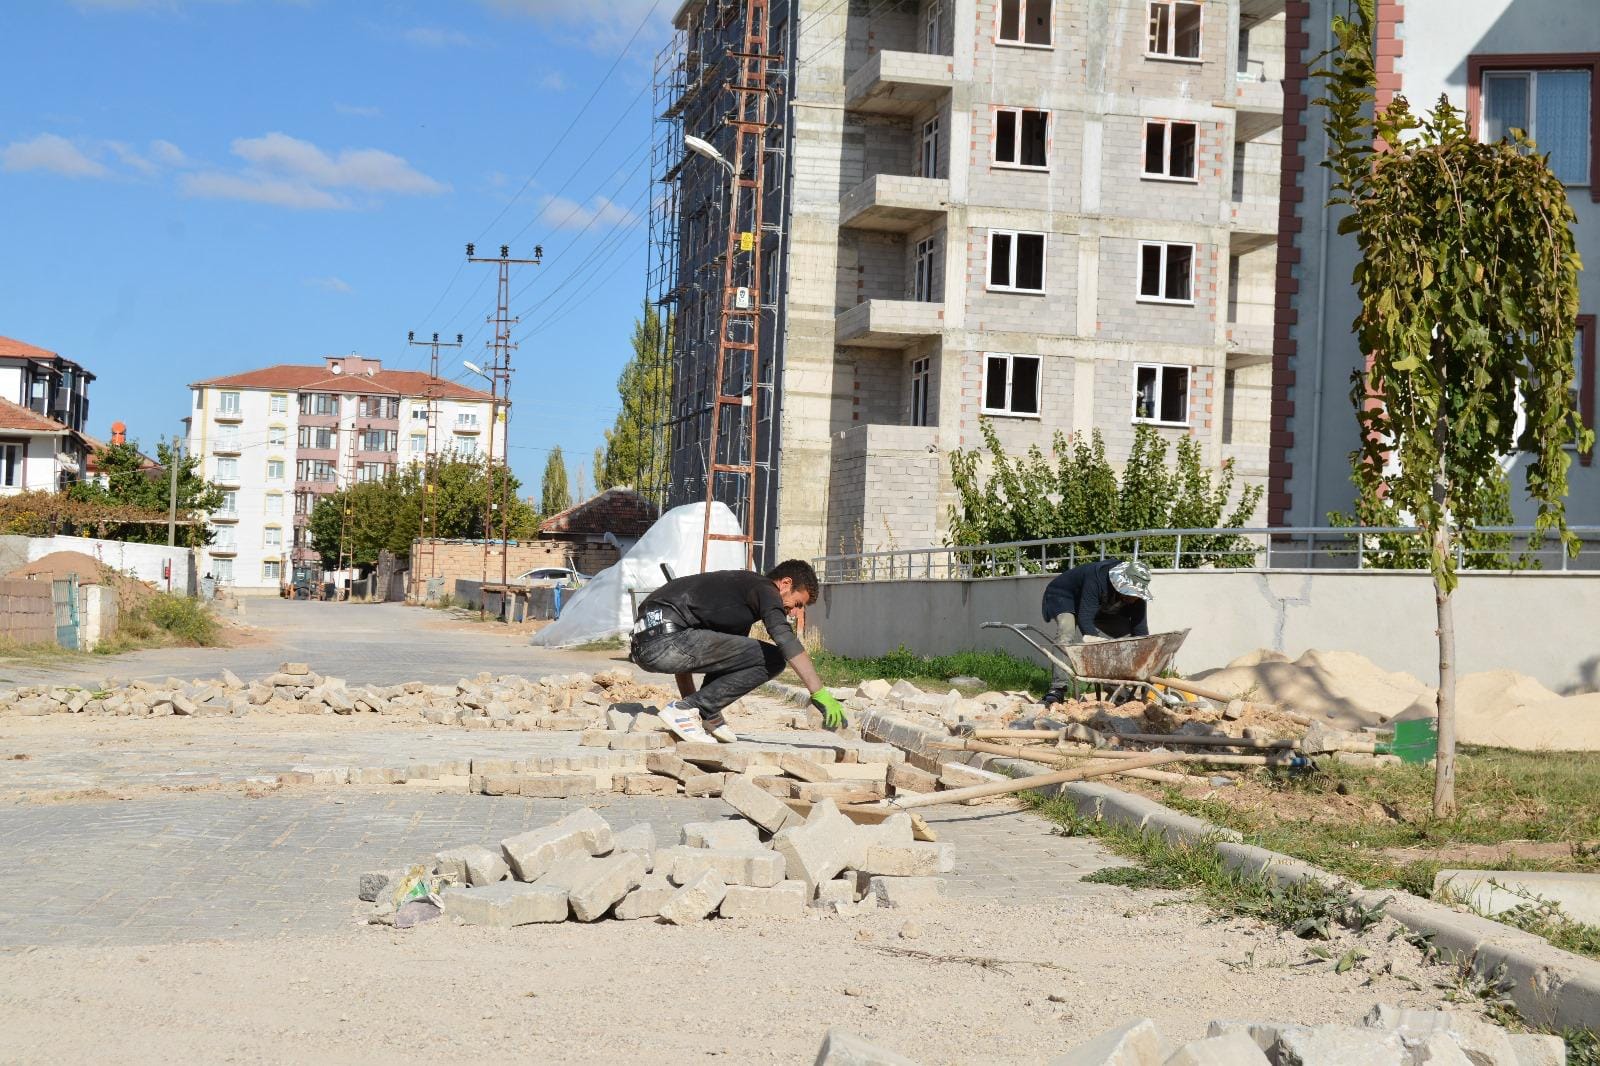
{"x":1059,"y":215}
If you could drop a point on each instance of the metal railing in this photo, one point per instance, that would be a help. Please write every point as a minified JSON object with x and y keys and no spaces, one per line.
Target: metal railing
{"x":1490,"y":548}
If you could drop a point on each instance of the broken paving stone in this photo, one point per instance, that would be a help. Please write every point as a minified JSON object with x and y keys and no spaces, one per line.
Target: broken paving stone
{"x":1230,"y":1049}
{"x":582,"y":833}
{"x":906,"y":891}
{"x":756,"y":867}
{"x":786,"y":899}
{"x":843,"y":1048}
{"x":766,"y":811}
{"x":1538,"y":1049}
{"x":1135,"y":1043}
{"x":907,"y":778}
{"x":645,"y":901}
{"x":640,"y":838}
{"x":669,"y":764}
{"x":839,"y":890}
{"x":295,"y":669}
{"x":917,"y":859}
{"x":507,"y":904}
{"x":1482,"y":1041}
{"x":877,"y":689}
{"x":648,"y":785}
{"x":604,"y":883}
{"x":373,"y":882}
{"x":1325,"y":1045}
{"x":725,"y":833}
{"x":694,"y":901}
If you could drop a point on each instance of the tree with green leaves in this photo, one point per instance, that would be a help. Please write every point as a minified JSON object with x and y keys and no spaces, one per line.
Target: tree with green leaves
{"x":636,"y":450}
{"x":554,"y":496}
{"x":132,"y":483}
{"x":1468,"y":283}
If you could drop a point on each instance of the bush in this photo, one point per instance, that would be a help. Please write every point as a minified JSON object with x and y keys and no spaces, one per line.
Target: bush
{"x":164,"y":618}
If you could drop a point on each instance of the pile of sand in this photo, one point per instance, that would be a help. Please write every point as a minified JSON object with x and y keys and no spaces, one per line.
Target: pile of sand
{"x":1499,"y":708}
{"x":131,"y":592}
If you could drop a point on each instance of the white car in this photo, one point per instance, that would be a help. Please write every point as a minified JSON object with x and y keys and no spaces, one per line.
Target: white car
{"x":551,"y":576}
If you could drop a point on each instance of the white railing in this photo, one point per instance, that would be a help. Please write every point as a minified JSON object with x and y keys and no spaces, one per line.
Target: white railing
{"x":1516,"y":548}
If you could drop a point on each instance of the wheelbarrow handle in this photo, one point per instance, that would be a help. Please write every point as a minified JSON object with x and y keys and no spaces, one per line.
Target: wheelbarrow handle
{"x":1044,"y":645}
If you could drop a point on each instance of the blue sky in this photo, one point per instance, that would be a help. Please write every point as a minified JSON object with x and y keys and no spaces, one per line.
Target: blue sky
{"x":197,"y":187}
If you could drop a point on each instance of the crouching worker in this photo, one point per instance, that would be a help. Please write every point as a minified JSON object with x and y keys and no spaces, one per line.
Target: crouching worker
{"x":1092,"y":602}
{"x":701,"y":625}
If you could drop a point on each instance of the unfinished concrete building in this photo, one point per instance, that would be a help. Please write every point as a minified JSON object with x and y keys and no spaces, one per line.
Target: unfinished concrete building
{"x":1059,"y":215}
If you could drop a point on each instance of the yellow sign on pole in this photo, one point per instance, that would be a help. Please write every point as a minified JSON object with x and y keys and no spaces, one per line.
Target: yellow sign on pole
{"x":747,"y":241}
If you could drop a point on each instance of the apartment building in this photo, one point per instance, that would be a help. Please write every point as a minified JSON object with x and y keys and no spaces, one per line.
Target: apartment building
{"x":1058,"y":215}
{"x":44,"y":406}
{"x":1508,"y":64}
{"x":279,"y":438}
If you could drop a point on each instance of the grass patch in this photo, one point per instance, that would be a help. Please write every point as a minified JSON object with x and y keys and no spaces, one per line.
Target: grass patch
{"x":607,"y":644}
{"x":996,"y":669}
{"x":33,"y":653}
{"x":163,"y":619}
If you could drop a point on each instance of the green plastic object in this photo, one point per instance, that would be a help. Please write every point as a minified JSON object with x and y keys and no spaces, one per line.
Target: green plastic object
{"x":1416,"y":741}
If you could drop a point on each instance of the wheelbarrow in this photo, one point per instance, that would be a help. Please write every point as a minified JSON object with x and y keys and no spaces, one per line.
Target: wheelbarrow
{"x":1128,"y":666}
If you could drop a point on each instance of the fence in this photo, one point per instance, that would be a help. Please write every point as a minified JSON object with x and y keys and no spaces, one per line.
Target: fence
{"x":27,"y":612}
{"x":1290,"y":547}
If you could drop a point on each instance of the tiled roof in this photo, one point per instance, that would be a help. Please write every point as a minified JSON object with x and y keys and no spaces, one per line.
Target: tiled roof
{"x":620,"y":511}
{"x":16,"y":417}
{"x":290,"y":377}
{"x":13,"y":347}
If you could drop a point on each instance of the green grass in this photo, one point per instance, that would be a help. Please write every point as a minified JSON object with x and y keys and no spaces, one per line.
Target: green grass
{"x":607,"y":644}
{"x":163,"y":620}
{"x":996,"y":669}
{"x":12,"y":651}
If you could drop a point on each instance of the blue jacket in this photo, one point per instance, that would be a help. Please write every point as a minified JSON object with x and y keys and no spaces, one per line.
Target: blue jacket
{"x":1085,"y":592}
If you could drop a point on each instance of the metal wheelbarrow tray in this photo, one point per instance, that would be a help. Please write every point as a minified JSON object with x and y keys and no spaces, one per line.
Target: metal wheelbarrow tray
{"x":1136,"y":662}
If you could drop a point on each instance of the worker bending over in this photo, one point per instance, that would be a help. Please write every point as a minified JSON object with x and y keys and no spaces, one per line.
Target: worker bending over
{"x":701,"y":625}
{"x":1092,"y":602}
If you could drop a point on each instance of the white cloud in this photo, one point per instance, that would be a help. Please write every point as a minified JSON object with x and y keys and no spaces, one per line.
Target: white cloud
{"x":168,"y":154}
{"x":259,"y":189}
{"x":358,"y":110}
{"x":554,"y":82}
{"x":331,"y":284}
{"x":288,"y":172}
{"x":606,"y":27}
{"x":132,"y":159}
{"x":563,"y":213}
{"x":52,"y":154}
{"x":435,"y":37}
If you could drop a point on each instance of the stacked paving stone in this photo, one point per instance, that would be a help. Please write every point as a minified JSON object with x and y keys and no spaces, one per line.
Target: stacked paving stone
{"x":576,"y":701}
{"x":771,"y":863}
{"x":1388,"y":1036}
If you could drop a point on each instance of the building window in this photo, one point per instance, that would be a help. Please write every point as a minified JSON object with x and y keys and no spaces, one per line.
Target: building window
{"x":314,"y":470}
{"x":272,"y":537}
{"x":1166,"y":273}
{"x":274,"y":469}
{"x":222,"y":539}
{"x":921,"y":389}
{"x":228,"y":403}
{"x":1161,"y":394}
{"x":930,"y":148}
{"x":227,"y":470}
{"x":1174,"y":29}
{"x":1169,"y":150}
{"x":1011,"y":385}
{"x":230,"y":502}
{"x":227,"y":438}
{"x":11,"y":460}
{"x":318,"y":403}
{"x":222,"y":571}
{"x":932,"y":31}
{"x":419,"y":442}
{"x":923,"y":268}
{"x":379,"y":440}
{"x":380,"y":407}
{"x":279,"y":404}
{"x":1552,"y":107}
{"x":319,"y":437}
{"x":466,"y":445}
{"x":419,"y":414}
{"x":199,"y":399}
{"x":277,"y":437}
{"x":1020,"y":137}
{"x":274,"y":503}
{"x":1016,"y":261}
{"x":272,"y":570}
{"x":368,"y":472}
{"x":1025,"y":22}
{"x":466,"y":418}
{"x":304,"y":502}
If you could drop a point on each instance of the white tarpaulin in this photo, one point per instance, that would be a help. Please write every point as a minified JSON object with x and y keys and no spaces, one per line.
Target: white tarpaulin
{"x":604,"y":607}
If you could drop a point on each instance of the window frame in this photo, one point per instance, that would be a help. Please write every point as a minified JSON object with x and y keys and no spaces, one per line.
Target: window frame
{"x":272,"y":570}
{"x":1172,"y":30}
{"x":278,"y":404}
{"x":19,"y":468}
{"x":994,"y":138}
{"x":274,"y":504}
{"x":1008,"y":411}
{"x":924,"y":269}
{"x":1022,"y":27}
{"x":223,"y":463}
{"x":218,"y":566}
{"x":1510,"y":63}
{"x":277,"y":436}
{"x":1167,"y":124}
{"x":921,"y":390}
{"x":279,"y":463}
{"x":1161,"y":383}
{"x":229,"y":402}
{"x":932,"y":133}
{"x":933,"y":28}
{"x":266,"y":535}
{"x":1044,"y":262}
{"x":1194,"y":259}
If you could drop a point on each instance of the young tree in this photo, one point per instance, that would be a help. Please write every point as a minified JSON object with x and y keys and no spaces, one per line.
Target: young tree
{"x":554,"y":495}
{"x":130,"y":483}
{"x":636,"y":451}
{"x":1469,"y":298}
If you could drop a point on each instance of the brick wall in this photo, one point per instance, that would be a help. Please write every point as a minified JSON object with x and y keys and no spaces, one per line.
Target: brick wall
{"x":27,"y":615}
{"x":454,"y":560}
{"x":883,"y":489}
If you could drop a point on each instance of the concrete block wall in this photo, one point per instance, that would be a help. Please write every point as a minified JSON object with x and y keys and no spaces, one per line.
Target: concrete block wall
{"x":883,"y":488}
{"x":1122,"y":316}
{"x":27,"y":615}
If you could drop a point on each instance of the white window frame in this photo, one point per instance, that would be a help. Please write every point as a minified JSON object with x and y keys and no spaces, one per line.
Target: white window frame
{"x":1161,"y":378}
{"x":1022,"y":27}
{"x":1165,"y":246}
{"x":222,"y":571}
{"x":465,"y":445}
{"x":1532,"y":76}
{"x":279,"y":463}
{"x":228,"y":403}
{"x":1016,"y":139}
{"x":467,"y":418}
{"x":279,"y":404}
{"x":271,"y":570}
{"x":1171,"y":7}
{"x":227,"y":469}
{"x":930,"y":147}
{"x":1044,"y":262}
{"x":277,"y":437}
{"x":274,"y":503}
{"x":13,"y":470}
{"x":921,"y":390}
{"x":1011,"y":362}
{"x":230,"y":502}
{"x":1166,"y":153}
{"x":924,"y":263}
{"x":267,"y":537}
{"x":224,"y":538}
{"x":932,"y":29}
{"x":419,"y":443}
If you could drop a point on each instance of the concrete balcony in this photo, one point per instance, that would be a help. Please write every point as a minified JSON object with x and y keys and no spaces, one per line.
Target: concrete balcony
{"x":1255,"y":225}
{"x":1259,"y":107}
{"x":1249,"y":344}
{"x":894,"y":203}
{"x":1259,"y":10}
{"x":888,"y":323}
{"x":223,"y":549}
{"x":223,"y":516}
{"x":899,"y":83}
{"x":226,"y":446}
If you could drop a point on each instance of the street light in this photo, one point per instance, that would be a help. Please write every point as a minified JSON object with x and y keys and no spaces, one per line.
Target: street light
{"x":708,"y":150}
{"x":475,"y":368}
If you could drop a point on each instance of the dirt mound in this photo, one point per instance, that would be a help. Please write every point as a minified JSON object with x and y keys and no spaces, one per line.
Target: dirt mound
{"x":90,"y":570}
{"x":1554,"y":723}
{"x":1341,"y":687}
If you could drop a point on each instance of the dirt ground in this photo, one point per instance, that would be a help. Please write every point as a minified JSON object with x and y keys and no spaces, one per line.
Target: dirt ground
{"x":723,"y":991}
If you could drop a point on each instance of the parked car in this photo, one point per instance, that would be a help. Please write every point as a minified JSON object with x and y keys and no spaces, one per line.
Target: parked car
{"x":551,"y":576}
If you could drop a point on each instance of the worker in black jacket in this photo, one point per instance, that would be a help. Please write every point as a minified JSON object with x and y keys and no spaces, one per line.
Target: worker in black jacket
{"x":700,"y":624}
{"x":1094,"y":601}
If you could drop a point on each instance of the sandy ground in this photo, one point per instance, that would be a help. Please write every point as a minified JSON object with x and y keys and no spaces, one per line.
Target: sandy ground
{"x":724,"y":991}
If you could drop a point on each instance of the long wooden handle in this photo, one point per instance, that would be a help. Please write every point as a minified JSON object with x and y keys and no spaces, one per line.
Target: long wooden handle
{"x":1045,"y":755}
{"x":1284,"y":757}
{"x":1023,"y":784}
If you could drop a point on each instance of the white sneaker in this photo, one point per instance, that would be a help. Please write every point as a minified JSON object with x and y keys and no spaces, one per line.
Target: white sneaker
{"x":683,"y":722}
{"x":724,"y":734}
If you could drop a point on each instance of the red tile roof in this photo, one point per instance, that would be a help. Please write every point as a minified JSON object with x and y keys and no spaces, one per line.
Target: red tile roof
{"x":621,"y":511}
{"x":12,"y":347}
{"x":15,"y":417}
{"x":290,"y":377}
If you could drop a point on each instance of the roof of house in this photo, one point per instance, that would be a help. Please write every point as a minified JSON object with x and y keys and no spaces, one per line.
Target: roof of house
{"x":93,"y":445}
{"x":13,"y":347}
{"x":16,"y":418}
{"x":621,"y":511}
{"x":292,"y":377}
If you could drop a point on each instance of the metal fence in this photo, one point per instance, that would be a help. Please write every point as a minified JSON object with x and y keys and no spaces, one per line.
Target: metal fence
{"x":1489,"y":548}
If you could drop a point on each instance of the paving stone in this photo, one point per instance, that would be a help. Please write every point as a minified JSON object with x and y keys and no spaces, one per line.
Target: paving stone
{"x":501,"y":784}
{"x":1481,"y":1040}
{"x":704,"y":784}
{"x":797,"y":765}
{"x":906,"y":778}
{"x":497,"y":766}
{"x":766,"y":811}
{"x":694,"y":901}
{"x":842,"y":1048}
{"x":640,"y":838}
{"x":605,"y":883}
{"x":839,"y":890}
{"x":917,"y":859}
{"x":757,"y":867}
{"x":648,"y":785}
{"x":669,"y":764}
{"x":641,"y":741}
{"x":724,"y":833}
{"x":531,"y":854}
{"x":599,"y":738}
{"x":817,"y":851}
{"x":373,"y":882}
{"x":1538,"y":1049}
{"x":1230,"y":1049}
{"x":786,"y":899}
{"x":1437,"y":1049}
{"x":842,"y":792}
{"x":1265,"y":1035}
{"x":1135,"y":1043}
{"x":507,"y":904}
{"x":1339,"y":1045}
{"x":645,"y":901}
{"x":906,"y":891}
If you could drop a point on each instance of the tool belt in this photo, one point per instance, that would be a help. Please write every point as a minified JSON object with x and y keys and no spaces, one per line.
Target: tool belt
{"x":654,"y":623}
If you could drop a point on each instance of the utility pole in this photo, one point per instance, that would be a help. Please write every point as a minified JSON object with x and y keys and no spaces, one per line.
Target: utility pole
{"x":346,"y":549}
{"x":428,"y":520}
{"x":173,"y":458}
{"x":500,"y":385}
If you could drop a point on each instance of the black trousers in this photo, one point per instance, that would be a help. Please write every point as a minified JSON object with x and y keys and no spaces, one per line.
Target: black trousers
{"x":732,"y":665}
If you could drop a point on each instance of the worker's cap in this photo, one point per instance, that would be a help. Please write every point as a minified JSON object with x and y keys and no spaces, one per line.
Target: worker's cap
{"x":1132,"y":579}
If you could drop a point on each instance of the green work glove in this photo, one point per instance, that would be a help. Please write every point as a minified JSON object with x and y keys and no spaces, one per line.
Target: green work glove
{"x":832,"y":710}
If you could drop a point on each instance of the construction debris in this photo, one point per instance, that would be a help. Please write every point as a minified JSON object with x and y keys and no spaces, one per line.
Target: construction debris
{"x":579,"y":868}
{"x":1388,"y":1036}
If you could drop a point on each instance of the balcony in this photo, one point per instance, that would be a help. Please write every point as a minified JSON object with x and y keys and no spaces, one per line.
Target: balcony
{"x":1259,"y":106}
{"x":225,"y":446}
{"x":894,"y":203}
{"x":1255,"y":225}
{"x":1249,"y":344}
{"x":234,"y":416}
{"x":1252,"y":11}
{"x":899,"y":83}
{"x":888,"y":323}
{"x":222,"y":549}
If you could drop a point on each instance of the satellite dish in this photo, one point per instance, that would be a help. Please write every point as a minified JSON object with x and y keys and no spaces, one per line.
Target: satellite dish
{"x":336,"y":368}
{"x":371,"y":371}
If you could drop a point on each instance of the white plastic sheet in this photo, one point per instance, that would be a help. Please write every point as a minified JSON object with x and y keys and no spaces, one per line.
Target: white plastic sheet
{"x":604,"y":607}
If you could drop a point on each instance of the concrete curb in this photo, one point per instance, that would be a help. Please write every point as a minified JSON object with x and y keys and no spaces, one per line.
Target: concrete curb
{"x":1552,"y":988}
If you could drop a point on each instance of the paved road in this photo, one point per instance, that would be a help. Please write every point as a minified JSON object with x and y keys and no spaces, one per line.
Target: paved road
{"x":364,"y":643}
